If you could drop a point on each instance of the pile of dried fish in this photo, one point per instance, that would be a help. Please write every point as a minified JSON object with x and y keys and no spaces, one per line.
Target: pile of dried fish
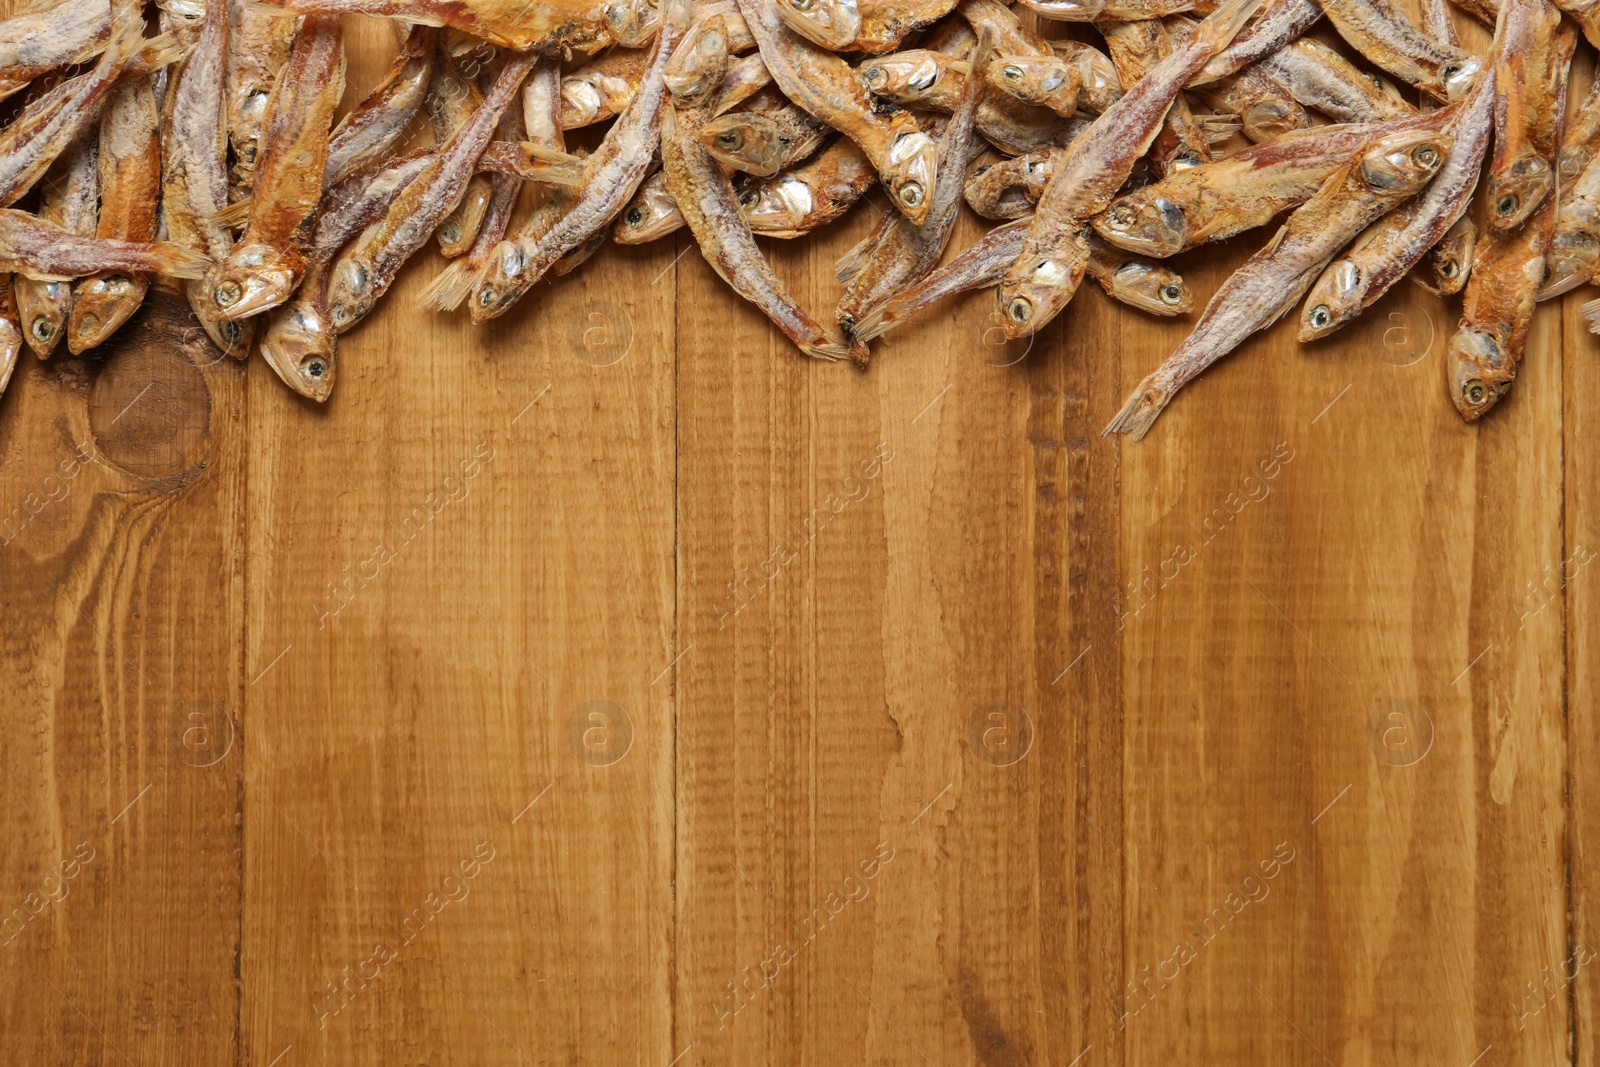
{"x":198,"y":142}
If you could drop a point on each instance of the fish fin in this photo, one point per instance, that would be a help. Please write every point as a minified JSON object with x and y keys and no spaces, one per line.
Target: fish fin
{"x":234,"y":215}
{"x":548,"y":154}
{"x":850,"y":264}
{"x":159,"y":51}
{"x":1141,"y":410}
{"x":1222,"y":25}
{"x":832,"y":352}
{"x":450,"y":286}
{"x":1591,"y":311}
{"x":873,"y":324}
{"x":175,"y":261}
{"x":1218,"y":128}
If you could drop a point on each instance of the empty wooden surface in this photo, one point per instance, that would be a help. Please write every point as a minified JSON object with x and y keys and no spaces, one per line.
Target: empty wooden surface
{"x":610,"y":685}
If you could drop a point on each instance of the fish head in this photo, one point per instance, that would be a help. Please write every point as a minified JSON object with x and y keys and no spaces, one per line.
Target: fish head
{"x":300,"y":344}
{"x":1517,"y":193}
{"x":633,"y":22}
{"x":42,"y":311}
{"x":1477,"y":372}
{"x":776,"y":205}
{"x":1334,"y":300}
{"x":833,"y":24}
{"x":1153,"y":288}
{"x":1036,"y":288}
{"x":909,"y":173}
{"x":1403,"y":162}
{"x":1451,"y":259}
{"x":1572,"y":259}
{"x":1271,"y":119}
{"x":904,"y":78}
{"x":351,"y":292}
{"x":580,"y":102}
{"x":1043,"y":80}
{"x":233,"y":337}
{"x":1097,"y":78}
{"x":652,"y":213}
{"x":251,"y":280}
{"x":1571,"y":161}
{"x":1459,"y":76}
{"x":748,"y":141}
{"x":1144,"y":223}
{"x":700,"y":61}
{"x":501,"y":284}
{"x":103,"y":303}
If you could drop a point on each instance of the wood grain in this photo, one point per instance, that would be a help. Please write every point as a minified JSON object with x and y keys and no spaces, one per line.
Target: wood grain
{"x":611,"y":685}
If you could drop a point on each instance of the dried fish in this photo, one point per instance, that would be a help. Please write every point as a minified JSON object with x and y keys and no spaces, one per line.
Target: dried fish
{"x":1010,"y":188}
{"x":809,"y":196}
{"x":762,"y":142}
{"x":1149,"y":287}
{"x":933,"y":81}
{"x":69,"y":201}
{"x":1279,"y":23}
{"x":1135,"y":48}
{"x":44,"y":251}
{"x":536,"y":26}
{"x":379,"y":122}
{"x":37,"y":41}
{"x":452,"y":100}
{"x":1534,"y":54}
{"x":1319,"y":77}
{"x":260,"y":39}
{"x":1106,"y":10}
{"x":1449,"y":261}
{"x":601,"y":88}
{"x":1258,"y":293}
{"x":651,"y":214}
{"x":1044,"y":81}
{"x":1386,"y":37}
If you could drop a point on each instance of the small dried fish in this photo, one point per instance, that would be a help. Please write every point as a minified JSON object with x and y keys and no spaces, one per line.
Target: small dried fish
{"x":1258,"y":293}
{"x":810,"y":196}
{"x":1318,"y":77}
{"x":1265,"y":108}
{"x":41,"y":250}
{"x":1055,"y":255}
{"x":364,"y":272}
{"x":1135,"y":48}
{"x":453,"y":99}
{"x":260,"y":39}
{"x":1580,"y":137}
{"x":632,"y":22}
{"x":1099,"y":85}
{"x":746,"y":77}
{"x":900,"y":254}
{"x":540,"y":25}
{"x":130,"y":190}
{"x":1044,"y":81}
{"x":1279,"y":23}
{"x":68,"y":200}
{"x":762,"y":142}
{"x":378,"y":123}
{"x":265,"y":266}
{"x":1535,"y":53}
{"x":1449,"y":261}
{"x":601,"y":88}
{"x":870,"y":26}
{"x":1010,"y":188}
{"x":705,"y":197}
{"x":1106,"y":10}
{"x":611,"y":176}
{"x":1386,"y":37}
{"x":823,"y":84}
{"x":1149,"y":287}
{"x":35,"y":42}
{"x":300,"y":342}
{"x":651,"y":214}
{"x":933,"y":81}
{"x":1383,"y":255}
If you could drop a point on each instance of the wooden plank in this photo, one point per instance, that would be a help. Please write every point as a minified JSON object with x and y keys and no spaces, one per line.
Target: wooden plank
{"x":881,"y":578}
{"x":455,"y":853}
{"x":121,"y":609}
{"x":1345,"y":756}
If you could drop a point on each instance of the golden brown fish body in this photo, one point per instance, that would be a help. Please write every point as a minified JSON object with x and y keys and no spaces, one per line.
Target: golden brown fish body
{"x":453,"y":99}
{"x":35,"y":42}
{"x":1235,"y":193}
{"x":1135,"y":48}
{"x":762,"y":143}
{"x":601,"y":88}
{"x":46,"y":252}
{"x":1392,"y":169}
{"x":746,"y":76}
{"x":1279,"y":23}
{"x":1150,"y":287}
{"x":1485,"y":352}
{"x":1010,"y":188}
{"x":705,"y":197}
{"x":259,"y":42}
{"x":1044,"y":81}
{"x":1394,"y":244}
{"x":300,"y":342}
{"x":810,"y":196}
{"x":1580,"y":137}
{"x":870,"y":26}
{"x":1265,"y":108}
{"x":545,"y":25}
{"x":1106,"y":10}
{"x":265,"y":266}
{"x":1055,"y":255}
{"x":1320,"y":78}
{"x":1381,"y":33}
{"x":651,"y":214}
{"x":1530,"y":75}
{"x":825,"y":85}
{"x":66,"y":199}
{"x":130,"y":191}
{"x":366,"y":135}
{"x":632,"y":22}
{"x":1444,"y":271}
{"x":933,"y":81}
{"x":1574,"y":256}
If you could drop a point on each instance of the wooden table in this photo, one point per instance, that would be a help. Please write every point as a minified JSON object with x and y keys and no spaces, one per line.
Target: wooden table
{"x":611,"y":685}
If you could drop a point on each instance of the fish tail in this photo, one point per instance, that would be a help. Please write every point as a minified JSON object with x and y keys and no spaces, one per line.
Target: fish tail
{"x":1141,"y":410}
{"x":175,"y":261}
{"x":1591,"y":311}
{"x":234,"y":215}
{"x":159,"y":51}
{"x":1218,"y":128}
{"x":832,"y":351}
{"x":450,"y":286}
{"x":1220,"y":27}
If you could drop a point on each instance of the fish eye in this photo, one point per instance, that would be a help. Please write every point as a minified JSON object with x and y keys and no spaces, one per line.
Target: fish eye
{"x":230,"y":330}
{"x":1320,"y":317}
{"x":1507,"y":205}
{"x":911,"y":194}
{"x":801,"y":5}
{"x":1475,"y":392}
{"x":748,"y":198}
{"x":635,"y":216}
{"x":114,"y":283}
{"x":1450,"y":269}
{"x":1425,"y":156}
{"x":1012,"y":72}
{"x":876,"y":77}
{"x":1171,"y":294}
{"x":730,"y":140}
{"x":314,"y":368}
{"x":227,"y":293}
{"x":340,"y":313}
{"x":42,"y":330}
{"x":1122,"y":215}
{"x":451,"y":232}
{"x":1020,"y":309}
{"x":487,"y":296}
{"x":1449,"y":70}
